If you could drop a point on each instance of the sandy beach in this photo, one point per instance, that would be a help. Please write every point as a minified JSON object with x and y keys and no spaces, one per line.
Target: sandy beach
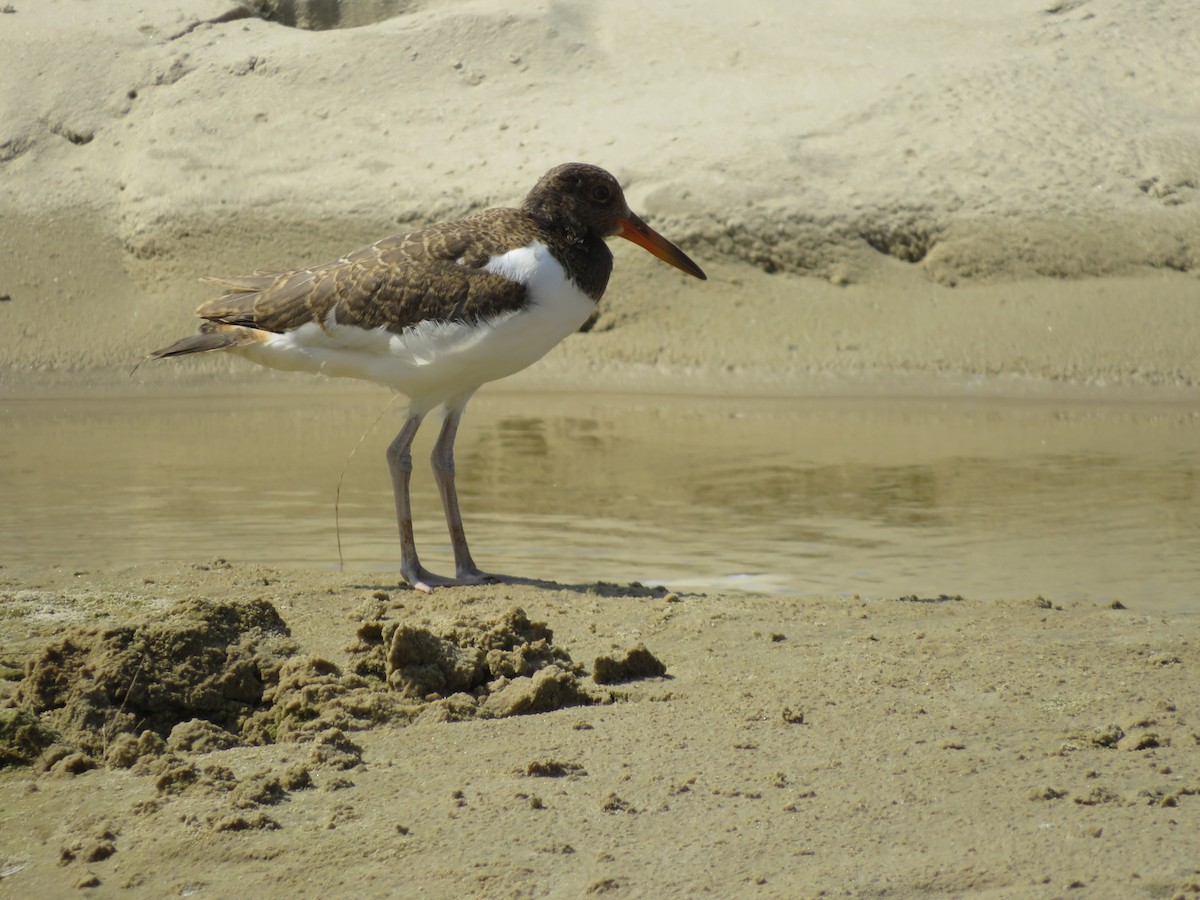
{"x":901,"y":200}
{"x":792,"y":748}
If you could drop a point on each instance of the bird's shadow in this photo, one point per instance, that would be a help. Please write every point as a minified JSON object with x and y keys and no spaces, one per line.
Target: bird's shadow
{"x":593,"y":588}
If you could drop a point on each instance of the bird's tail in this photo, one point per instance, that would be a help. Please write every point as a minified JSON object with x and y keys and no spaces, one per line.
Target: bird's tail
{"x":222,"y":337}
{"x":212,"y":336}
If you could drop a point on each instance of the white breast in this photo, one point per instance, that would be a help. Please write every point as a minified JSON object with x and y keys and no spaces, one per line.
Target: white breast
{"x":435,"y":361}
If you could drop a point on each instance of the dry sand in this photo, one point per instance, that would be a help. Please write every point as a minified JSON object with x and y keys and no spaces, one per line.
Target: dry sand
{"x":883,"y":190}
{"x":923,"y":196}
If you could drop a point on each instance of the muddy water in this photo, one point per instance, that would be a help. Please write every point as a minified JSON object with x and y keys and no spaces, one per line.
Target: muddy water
{"x":879,"y":498}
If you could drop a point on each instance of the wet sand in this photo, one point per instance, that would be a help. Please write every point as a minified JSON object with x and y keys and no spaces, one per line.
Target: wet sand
{"x":793,"y":748}
{"x":924,"y":202}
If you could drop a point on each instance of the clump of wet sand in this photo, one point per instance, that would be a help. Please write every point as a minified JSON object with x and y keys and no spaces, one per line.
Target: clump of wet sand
{"x":503,"y":667}
{"x":208,"y":660}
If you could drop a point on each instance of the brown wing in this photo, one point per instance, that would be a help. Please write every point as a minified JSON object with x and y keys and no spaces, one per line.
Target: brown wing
{"x":433,"y":274}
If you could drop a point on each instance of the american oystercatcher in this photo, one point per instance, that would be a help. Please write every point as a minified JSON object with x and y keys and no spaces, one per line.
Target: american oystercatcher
{"x":437,"y":313}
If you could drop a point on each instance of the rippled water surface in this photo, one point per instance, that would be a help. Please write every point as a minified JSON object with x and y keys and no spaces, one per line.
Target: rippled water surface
{"x":828,"y":496}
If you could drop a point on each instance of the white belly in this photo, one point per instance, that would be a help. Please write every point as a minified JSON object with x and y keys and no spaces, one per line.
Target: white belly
{"x":435,"y":361}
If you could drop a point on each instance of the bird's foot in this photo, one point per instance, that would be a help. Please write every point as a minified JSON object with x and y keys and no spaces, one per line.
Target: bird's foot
{"x":472,"y":575}
{"x":421,"y":579}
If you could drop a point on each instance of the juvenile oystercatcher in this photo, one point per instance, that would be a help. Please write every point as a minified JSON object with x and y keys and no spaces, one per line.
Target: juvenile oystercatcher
{"x":437,"y":313}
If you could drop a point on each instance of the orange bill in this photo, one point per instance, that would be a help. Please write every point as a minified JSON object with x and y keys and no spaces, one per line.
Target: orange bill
{"x":634,"y":229}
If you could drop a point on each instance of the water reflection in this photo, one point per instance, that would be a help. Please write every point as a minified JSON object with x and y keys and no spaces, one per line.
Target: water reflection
{"x":850,"y":496}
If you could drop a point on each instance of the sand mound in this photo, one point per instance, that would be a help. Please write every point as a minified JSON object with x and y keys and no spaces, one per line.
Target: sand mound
{"x":508,"y":666}
{"x":201,"y":660}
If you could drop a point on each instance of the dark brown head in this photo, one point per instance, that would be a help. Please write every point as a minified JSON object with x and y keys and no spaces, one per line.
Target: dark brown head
{"x":579,"y":200}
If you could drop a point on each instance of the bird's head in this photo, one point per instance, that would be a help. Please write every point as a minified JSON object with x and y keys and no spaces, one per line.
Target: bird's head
{"x":578,"y":199}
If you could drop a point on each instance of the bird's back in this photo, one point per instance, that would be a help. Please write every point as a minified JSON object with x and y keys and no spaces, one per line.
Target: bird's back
{"x":435,"y":274}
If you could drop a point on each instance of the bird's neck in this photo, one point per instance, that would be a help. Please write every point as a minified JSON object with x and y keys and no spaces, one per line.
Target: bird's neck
{"x":589,"y":262}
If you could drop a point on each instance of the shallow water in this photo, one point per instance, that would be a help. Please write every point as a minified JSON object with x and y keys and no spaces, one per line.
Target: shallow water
{"x":843,"y":496}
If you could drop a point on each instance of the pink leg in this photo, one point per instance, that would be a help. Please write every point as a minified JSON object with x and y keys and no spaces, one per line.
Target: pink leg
{"x":399,"y":457}
{"x":466,"y":572}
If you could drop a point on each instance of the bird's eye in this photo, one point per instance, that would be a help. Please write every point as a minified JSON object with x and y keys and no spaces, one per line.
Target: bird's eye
{"x":601,"y":193}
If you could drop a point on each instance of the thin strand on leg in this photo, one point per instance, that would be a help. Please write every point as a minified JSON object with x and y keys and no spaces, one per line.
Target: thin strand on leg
{"x":442,"y":459}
